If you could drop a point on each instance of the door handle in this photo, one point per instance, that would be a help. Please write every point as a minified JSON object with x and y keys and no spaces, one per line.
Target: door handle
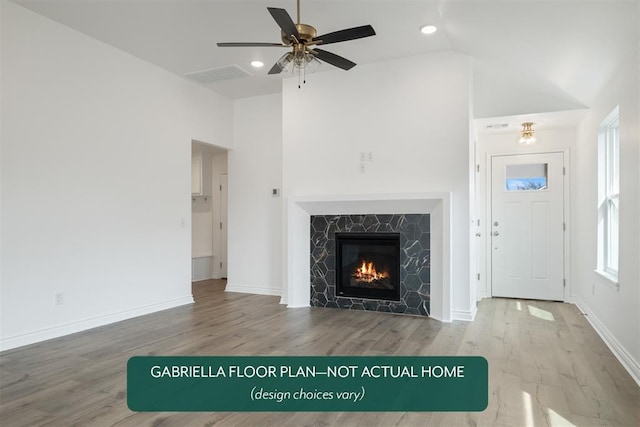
{"x":478,"y":234}
{"x":495,"y":233}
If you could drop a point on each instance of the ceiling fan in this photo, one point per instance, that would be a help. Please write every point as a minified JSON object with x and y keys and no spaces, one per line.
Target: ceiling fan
{"x":303,"y":39}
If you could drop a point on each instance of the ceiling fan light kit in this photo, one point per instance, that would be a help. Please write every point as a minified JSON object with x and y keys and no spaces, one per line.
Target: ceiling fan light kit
{"x":302,"y":39}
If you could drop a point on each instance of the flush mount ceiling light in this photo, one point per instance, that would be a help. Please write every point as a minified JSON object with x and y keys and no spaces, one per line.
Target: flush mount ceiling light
{"x":257,"y":64}
{"x":302,"y":40}
{"x":428,"y":29}
{"x":527,"y":134}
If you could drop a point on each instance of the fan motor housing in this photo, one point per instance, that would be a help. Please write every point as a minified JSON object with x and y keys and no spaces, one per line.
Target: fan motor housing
{"x":306,"y":32}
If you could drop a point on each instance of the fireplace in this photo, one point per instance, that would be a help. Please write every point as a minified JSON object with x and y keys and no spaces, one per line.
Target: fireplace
{"x":393,"y":245}
{"x":368,"y":265}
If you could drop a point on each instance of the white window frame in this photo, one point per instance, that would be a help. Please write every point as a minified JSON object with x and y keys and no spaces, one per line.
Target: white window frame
{"x":609,"y":197}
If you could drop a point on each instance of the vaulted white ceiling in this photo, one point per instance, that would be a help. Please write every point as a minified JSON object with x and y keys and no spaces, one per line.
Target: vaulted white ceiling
{"x":556,"y":54}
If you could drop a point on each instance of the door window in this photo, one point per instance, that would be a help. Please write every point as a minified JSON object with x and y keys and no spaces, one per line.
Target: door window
{"x":530,"y":177}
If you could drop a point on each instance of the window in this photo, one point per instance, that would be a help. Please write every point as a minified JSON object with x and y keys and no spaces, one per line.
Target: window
{"x":608,"y":196}
{"x":526,"y":177}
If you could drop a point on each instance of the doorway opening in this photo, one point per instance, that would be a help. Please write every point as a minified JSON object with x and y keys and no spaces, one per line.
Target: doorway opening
{"x":208,"y":212}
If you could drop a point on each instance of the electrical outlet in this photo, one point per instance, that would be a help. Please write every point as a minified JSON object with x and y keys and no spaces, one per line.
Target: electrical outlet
{"x":59,"y":298}
{"x":363,"y":156}
{"x":370,"y":156}
{"x":361,"y":167}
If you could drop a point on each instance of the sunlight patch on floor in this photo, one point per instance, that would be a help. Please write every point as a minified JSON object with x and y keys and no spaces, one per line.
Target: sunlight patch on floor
{"x":518,"y":306}
{"x":528,"y":415}
{"x":557,"y":420}
{"x":540,"y":313}
{"x":553,"y":418}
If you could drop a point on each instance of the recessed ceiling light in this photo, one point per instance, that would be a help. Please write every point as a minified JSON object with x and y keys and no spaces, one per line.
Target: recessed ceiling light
{"x":257,"y":64}
{"x":428,"y":29}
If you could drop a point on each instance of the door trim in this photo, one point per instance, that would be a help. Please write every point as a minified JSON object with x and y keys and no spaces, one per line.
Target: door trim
{"x":220,"y":248}
{"x":566,"y":212}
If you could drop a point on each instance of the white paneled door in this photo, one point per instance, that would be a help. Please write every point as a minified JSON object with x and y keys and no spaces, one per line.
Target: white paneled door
{"x":527,"y":226}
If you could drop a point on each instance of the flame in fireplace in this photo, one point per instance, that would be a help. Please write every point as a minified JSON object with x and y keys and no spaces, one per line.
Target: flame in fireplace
{"x":367,"y":273}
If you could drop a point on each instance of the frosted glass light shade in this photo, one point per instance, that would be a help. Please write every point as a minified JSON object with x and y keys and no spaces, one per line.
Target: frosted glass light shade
{"x":527,"y":134}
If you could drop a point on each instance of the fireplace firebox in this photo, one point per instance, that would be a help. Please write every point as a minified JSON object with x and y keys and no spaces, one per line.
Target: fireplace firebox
{"x":368,"y":265}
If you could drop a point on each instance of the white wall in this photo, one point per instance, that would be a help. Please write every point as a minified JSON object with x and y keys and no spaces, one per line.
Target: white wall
{"x":412,"y":114}
{"x":502,"y":90}
{"x":96,"y":149}
{"x":1,"y":156}
{"x":255,"y":224}
{"x":614,"y":311}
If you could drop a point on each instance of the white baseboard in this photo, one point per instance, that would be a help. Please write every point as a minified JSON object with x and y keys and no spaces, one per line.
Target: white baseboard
{"x":482,"y":295}
{"x":193,"y":280}
{"x":202,"y":279}
{"x":94,"y":322}
{"x":630,"y":364}
{"x":247,"y":289}
{"x":299,"y":306}
{"x":464,"y":315}
{"x":284,"y":300}
{"x":439,"y":319}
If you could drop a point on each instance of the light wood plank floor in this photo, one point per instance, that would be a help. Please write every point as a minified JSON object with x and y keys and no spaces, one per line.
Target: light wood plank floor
{"x":547,"y":366}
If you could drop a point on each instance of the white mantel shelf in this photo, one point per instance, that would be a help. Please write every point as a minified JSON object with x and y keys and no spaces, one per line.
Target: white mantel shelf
{"x":297,"y":288}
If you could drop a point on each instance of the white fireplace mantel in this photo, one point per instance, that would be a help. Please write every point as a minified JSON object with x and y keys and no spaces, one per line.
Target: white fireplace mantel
{"x":297,"y":288}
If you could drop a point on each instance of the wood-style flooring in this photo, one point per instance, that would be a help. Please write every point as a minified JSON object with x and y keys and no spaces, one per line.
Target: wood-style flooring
{"x":547,"y":366}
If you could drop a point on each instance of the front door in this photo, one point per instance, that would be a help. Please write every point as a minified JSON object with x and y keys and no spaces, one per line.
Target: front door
{"x":527,"y":226}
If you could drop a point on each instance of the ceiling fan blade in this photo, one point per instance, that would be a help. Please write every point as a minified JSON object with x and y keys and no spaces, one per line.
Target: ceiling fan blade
{"x":348,"y":34}
{"x":333,"y":59}
{"x":284,"y":21}
{"x":250,"y":44}
{"x":280,"y":64}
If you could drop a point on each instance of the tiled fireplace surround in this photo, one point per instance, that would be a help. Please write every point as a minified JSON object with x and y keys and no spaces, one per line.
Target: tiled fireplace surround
{"x":297,"y":263}
{"x":413,"y":231}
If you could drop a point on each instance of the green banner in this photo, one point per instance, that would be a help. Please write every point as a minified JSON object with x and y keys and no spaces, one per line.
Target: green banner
{"x":315,"y":383}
